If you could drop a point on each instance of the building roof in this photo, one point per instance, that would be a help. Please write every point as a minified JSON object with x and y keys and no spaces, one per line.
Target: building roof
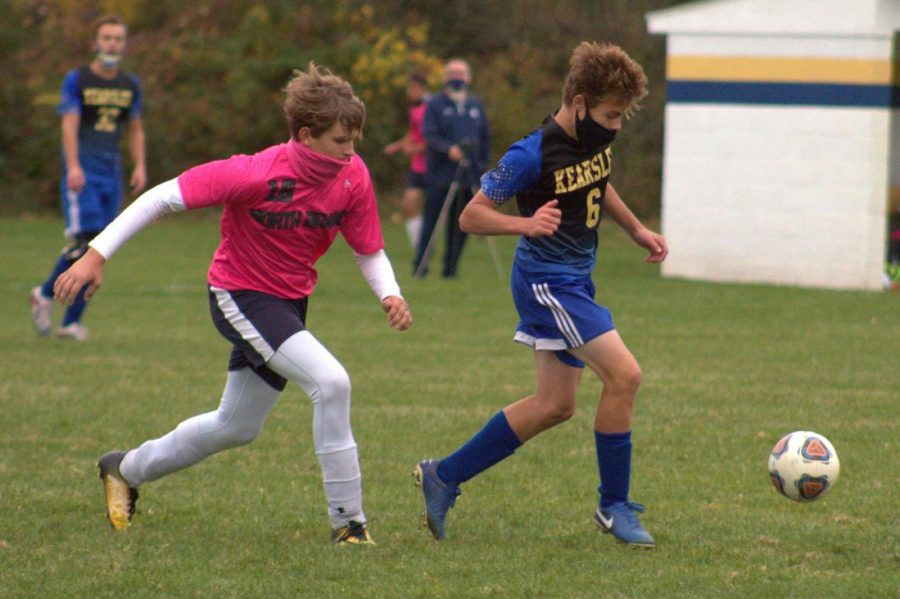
{"x":863,"y":18}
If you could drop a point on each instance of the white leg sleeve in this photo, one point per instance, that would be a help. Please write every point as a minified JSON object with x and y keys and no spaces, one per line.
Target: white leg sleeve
{"x":304,"y":361}
{"x":245,"y":404}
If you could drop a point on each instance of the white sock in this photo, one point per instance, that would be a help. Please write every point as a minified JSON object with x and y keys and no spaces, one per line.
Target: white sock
{"x":245,"y":404}
{"x":414,"y":229}
{"x":304,"y":361}
{"x":344,"y":494}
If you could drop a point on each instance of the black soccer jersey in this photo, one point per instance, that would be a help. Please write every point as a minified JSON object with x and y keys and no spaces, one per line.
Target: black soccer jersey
{"x":548,"y":164}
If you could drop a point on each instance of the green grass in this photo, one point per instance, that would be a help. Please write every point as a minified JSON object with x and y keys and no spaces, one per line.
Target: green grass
{"x":727,"y":369}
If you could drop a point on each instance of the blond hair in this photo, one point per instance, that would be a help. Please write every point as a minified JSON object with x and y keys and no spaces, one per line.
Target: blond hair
{"x":318,"y":99}
{"x":600,"y":72}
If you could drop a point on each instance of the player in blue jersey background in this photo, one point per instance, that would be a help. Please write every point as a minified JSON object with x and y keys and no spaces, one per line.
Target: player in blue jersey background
{"x":96,"y":103}
{"x":559,"y":176}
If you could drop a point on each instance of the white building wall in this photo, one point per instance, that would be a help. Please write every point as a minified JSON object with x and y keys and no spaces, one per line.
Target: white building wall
{"x":786,"y":195}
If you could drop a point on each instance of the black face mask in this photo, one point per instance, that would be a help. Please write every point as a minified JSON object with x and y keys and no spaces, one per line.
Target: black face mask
{"x":456,"y":85}
{"x":592,"y":134}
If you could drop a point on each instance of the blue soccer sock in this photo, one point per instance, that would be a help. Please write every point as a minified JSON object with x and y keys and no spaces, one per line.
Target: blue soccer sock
{"x":62,"y":265}
{"x":492,"y":444}
{"x":614,"y":461}
{"x":74,"y":312}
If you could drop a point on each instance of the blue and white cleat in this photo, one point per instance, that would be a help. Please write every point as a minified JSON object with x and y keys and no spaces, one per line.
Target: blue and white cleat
{"x":439,"y":496}
{"x":621,"y":520}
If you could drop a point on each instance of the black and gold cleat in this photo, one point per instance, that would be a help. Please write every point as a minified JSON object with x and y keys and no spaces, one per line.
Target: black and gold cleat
{"x":355,"y":533}
{"x":120,"y":496}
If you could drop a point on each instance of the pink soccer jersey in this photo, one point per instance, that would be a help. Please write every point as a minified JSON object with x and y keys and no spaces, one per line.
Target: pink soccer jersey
{"x":283,"y":207}
{"x":416,"y":116}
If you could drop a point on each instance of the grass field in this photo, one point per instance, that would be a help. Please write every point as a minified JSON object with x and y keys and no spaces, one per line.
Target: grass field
{"x":728,"y":369}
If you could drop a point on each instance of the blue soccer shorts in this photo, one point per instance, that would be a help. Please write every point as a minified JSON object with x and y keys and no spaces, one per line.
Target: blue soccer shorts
{"x":94,"y":207}
{"x":557,"y":312}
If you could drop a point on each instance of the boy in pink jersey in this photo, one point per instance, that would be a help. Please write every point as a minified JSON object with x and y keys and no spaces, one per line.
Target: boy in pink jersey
{"x":413,"y":145}
{"x":283,"y":207}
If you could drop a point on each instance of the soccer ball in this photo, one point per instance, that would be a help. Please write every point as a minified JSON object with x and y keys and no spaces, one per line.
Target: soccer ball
{"x":803,"y":466}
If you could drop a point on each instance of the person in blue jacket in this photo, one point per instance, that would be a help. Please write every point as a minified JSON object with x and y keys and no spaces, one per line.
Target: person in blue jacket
{"x":457,"y":138}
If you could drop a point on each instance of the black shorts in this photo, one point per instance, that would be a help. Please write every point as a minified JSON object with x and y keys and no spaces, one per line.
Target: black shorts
{"x":256,"y":324}
{"x":415,"y":180}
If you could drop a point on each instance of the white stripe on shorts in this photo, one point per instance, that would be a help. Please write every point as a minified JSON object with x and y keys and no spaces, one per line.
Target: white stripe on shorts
{"x":563,"y":320}
{"x":74,"y":210}
{"x":240,"y":323}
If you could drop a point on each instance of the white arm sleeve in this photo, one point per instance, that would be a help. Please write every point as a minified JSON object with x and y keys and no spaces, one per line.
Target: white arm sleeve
{"x":153,"y":203}
{"x":379,"y":274}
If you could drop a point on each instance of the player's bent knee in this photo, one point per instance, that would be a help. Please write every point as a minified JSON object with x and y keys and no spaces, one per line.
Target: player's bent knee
{"x":334,"y":384}
{"x":232,"y":436}
{"x":245,"y":433}
{"x":627,"y":381}
{"x":566,"y":412}
{"x":557,"y":413}
{"x":634,"y":378}
{"x":220,"y":435}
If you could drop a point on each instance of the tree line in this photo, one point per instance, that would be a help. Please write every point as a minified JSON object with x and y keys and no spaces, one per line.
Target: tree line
{"x":213,"y":71}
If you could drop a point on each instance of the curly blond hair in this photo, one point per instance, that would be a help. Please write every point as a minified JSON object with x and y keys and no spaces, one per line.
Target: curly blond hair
{"x":600,"y":72}
{"x":318,"y":99}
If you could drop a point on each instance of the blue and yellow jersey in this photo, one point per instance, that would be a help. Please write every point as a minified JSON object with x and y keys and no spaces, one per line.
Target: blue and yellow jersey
{"x":104,"y":105}
{"x":548,"y":164}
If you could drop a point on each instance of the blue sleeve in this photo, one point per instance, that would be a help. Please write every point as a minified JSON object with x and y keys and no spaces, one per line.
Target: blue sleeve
{"x":519,"y":169}
{"x":137,"y":106}
{"x":70,"y":95}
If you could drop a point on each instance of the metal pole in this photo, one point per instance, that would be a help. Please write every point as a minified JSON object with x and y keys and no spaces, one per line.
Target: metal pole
{"x":492,"y":247}
{"x":442,"y":217}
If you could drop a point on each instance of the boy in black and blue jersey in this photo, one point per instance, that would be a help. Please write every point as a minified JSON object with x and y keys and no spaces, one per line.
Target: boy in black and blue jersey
{"x":559,"y":176}
{"x":97,"y":102}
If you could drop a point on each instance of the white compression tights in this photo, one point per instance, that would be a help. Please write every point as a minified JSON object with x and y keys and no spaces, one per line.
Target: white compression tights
{"x":306,"y":362}
{"x":246,"y":403}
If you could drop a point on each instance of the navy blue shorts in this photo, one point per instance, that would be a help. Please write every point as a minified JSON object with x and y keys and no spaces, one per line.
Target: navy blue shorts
{"x":256,"y":324}
{"x":415,"y":180}
{"x":557,"y":312}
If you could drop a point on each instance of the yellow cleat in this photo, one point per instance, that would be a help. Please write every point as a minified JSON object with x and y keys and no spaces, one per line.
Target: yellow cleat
{"x":120,"y":496}
{"x":355,"y":533}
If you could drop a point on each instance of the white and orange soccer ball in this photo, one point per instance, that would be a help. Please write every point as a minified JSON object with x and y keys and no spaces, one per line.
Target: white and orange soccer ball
{"x":803,"y":466}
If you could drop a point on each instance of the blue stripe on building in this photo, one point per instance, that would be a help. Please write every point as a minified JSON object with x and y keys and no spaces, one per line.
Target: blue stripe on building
{"x":792,"y":94}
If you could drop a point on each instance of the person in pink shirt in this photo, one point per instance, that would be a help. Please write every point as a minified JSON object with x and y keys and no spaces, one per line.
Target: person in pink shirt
{"x":282,"y":209}
{"x":413,"y":145}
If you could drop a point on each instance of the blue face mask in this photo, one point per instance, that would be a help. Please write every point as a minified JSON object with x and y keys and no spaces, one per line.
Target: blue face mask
{"x":592,"y":134}
{"x":456,"y":85}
